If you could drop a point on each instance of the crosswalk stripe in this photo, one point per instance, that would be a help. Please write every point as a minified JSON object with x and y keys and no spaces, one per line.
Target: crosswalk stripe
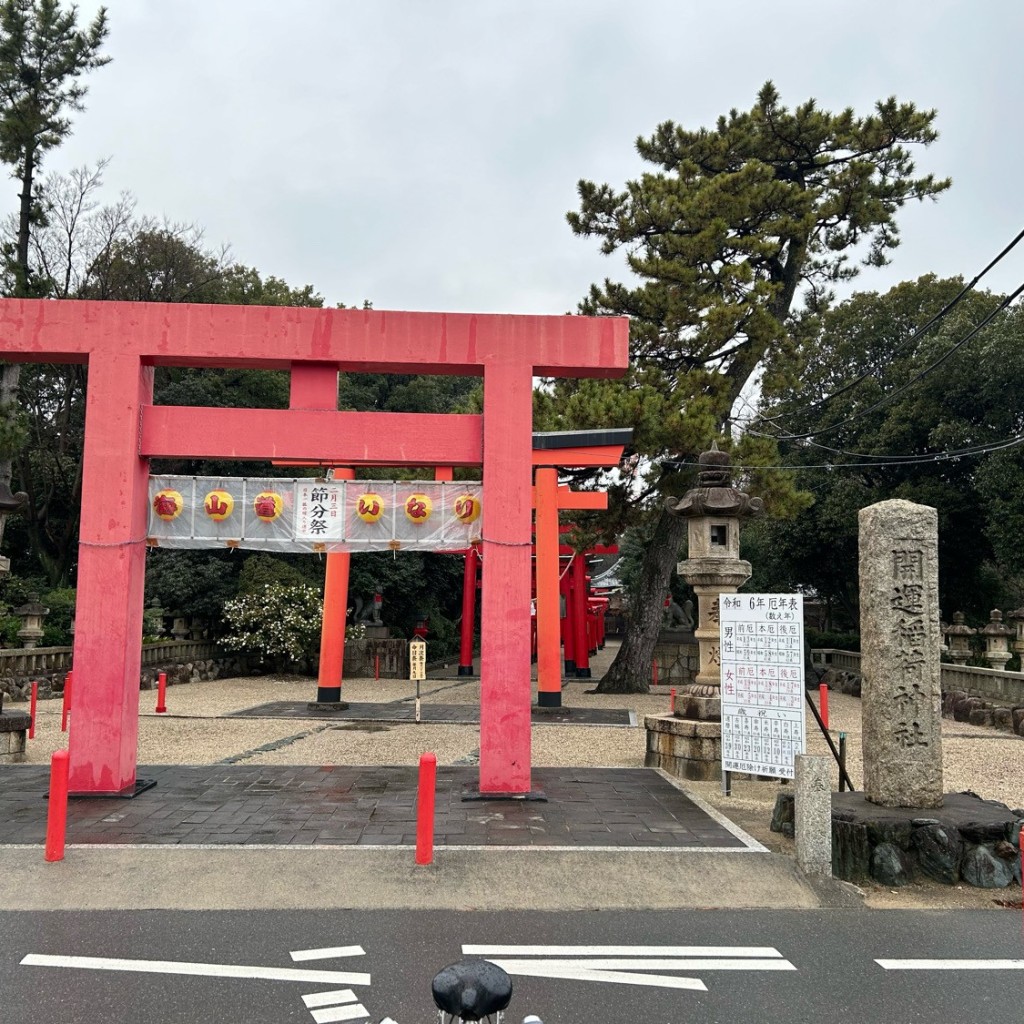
{"x":331,"y":1016}
{"x":326,"y":954}
{"x":339,"y":995}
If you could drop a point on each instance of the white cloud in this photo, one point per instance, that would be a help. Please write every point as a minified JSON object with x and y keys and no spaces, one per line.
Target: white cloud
{"x":423,"y":155}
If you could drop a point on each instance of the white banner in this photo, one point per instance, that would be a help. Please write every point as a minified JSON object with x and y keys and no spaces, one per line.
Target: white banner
{"x":762,"y":657}
{"x":277,"y":514}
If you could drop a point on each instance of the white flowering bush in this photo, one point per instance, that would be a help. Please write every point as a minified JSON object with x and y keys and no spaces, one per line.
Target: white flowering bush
{"x":355,"y":631}
{"x":280,"y":622}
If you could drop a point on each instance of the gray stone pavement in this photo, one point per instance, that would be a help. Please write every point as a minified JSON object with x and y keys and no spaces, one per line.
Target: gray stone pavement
{"x":244,"y":835}
{"x":239,"y":805}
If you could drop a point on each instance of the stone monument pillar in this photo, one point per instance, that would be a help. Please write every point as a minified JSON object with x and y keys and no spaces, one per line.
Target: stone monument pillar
{"x":901,"y":696}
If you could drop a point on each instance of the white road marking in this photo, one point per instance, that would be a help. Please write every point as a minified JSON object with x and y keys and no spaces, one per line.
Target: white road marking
{"x":326,"y":954}
{"x":621,"y":964}
{"x":570,"y":972}
{"x":761,"y":952}
{"x":652,"y":964}
{"x":98,"y":963}
{"x":951,"y":965}
{"x":339,"y":995}
{"x":340,"y":1013}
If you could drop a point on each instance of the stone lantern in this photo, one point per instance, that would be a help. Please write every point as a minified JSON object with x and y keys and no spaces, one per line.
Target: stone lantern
{"x":32,"y":614}
{"x":996,"y":634}
{"x":180,"y":628}
{"x":713,"y":510}
{"x":1017,"y":618}
{"x":957,"y":637}
{"x":689,"y":743}
{"x":153,"y":619}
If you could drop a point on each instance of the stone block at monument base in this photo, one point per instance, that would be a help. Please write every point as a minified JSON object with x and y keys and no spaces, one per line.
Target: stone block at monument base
{"x":968,"y":841}
{"x":684,"y":748}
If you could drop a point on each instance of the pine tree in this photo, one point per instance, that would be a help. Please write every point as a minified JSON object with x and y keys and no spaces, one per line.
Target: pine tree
{"x":43,"y":55}
{"x":736,"y":225}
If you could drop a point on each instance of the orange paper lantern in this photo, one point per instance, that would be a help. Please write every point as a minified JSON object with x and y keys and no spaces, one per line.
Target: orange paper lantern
{"x":268,"y":506}
{"x":218,"y":505}
{"x":418,"y":508}
{"x":466,"y":508}
{"x":370,"y":507}
{"x":168,"y":504}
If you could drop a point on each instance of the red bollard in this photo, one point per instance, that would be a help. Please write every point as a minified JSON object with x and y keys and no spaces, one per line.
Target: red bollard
{"x":376,"y":666}
{"x":161,"y":694}
{"x":425,"y":810}
{"x":672,"y":701}
{"x":57,"y":812}
{"x":823,"y":704}
{"x":65,"y":709}
{"x":32,"y":711}
{"x":654,"y":672}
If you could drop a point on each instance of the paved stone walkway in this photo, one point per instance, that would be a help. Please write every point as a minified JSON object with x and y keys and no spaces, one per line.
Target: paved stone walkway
{"x":404,"y":710}
{"x":341,"y":805}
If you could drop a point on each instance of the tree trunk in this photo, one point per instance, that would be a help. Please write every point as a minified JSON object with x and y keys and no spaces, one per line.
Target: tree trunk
{"x":10,"y":373}
{"x":630,"y":672}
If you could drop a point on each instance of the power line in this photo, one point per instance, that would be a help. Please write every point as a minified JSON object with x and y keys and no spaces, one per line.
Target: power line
{"x":894,"y":460}
{"x":920,"y":332}
{"x":889,"y":396}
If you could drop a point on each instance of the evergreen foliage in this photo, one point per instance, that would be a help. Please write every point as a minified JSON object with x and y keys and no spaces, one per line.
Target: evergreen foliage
{"x":968,"y":400}
{"x":733,"y":243}
{"x":43,"y":57}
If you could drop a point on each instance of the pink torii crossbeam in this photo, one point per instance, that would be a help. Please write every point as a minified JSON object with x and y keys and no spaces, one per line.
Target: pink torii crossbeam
{"x":122,"y":342}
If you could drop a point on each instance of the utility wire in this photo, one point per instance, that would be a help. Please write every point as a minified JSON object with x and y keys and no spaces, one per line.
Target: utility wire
{"x":895,"y":460}
{"x":889,"y":396}
{"x":914,"y":337}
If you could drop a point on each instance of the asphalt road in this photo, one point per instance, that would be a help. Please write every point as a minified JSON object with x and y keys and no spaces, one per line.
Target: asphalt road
{"x":733,"y":967}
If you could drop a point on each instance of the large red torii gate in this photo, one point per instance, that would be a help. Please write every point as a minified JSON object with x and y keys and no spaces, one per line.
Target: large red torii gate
{"x":122,"y":342}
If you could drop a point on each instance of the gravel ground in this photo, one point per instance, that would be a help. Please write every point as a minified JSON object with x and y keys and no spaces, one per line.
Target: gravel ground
{"x":195,"y":732}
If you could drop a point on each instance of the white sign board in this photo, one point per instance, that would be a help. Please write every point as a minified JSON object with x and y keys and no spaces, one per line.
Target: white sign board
{"x":417,"y":659}
{"x":762,"y":657}
{"x":319,"y":512}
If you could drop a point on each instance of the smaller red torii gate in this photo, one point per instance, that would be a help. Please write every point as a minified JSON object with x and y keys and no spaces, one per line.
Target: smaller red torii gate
{"x":576,"y":449}
{"x":122,"y":342}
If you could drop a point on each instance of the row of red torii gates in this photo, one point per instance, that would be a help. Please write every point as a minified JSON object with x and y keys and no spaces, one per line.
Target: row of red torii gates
{"x":123,"y":342}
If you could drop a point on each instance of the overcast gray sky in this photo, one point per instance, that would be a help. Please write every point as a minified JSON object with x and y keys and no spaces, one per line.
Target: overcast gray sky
{"x":422,"y":154}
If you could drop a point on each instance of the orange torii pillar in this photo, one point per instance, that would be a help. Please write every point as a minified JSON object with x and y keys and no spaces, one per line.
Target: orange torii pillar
{"x":332,"y":623}
{"x":565,"y":624}
{"x":315,"y":387}
{"x":468,"y":612}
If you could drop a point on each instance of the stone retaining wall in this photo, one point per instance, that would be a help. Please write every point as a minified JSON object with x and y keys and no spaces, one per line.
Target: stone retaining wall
{"x":962,"y":705}
{"x":184,"y":661}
